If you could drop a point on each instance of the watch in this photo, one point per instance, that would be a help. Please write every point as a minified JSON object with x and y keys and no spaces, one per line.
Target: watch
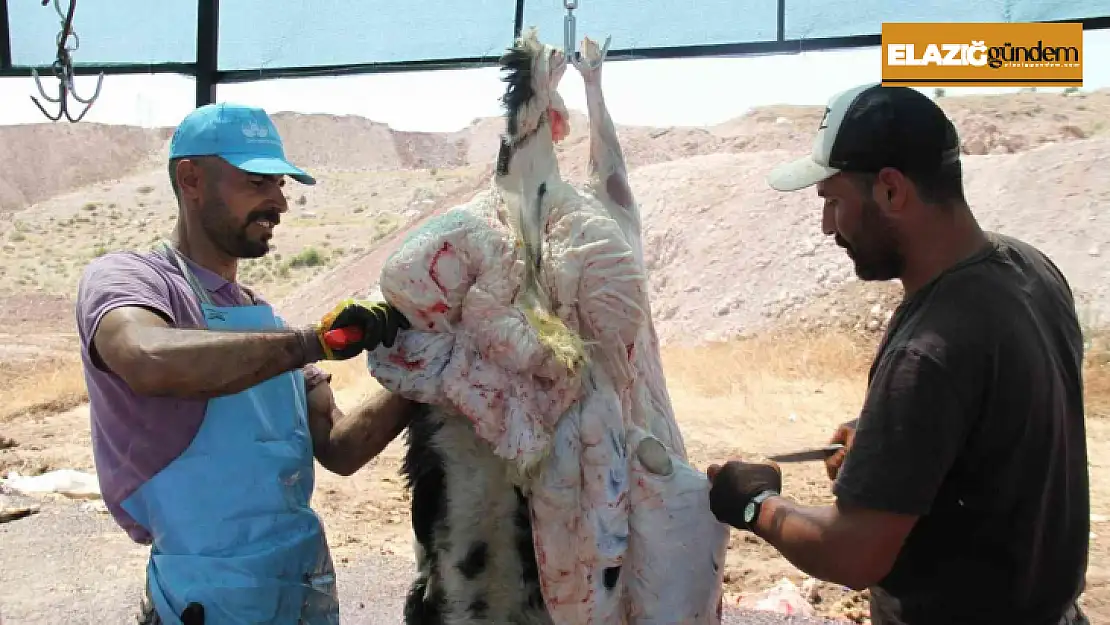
{"x":751,"y":511}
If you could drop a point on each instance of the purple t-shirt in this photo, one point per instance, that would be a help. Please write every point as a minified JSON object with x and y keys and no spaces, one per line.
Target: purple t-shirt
{"x":134,"y":437}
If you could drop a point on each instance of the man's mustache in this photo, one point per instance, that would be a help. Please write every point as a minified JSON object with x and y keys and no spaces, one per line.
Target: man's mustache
{"x":268,"y":214}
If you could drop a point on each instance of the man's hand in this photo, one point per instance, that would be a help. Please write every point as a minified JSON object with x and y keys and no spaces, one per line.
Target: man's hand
{"x":844,"y":435}
{"x":378,"y":323}
{"x":737,"y":483}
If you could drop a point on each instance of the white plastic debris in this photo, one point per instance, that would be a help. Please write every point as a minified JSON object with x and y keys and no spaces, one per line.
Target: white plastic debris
{"x":96,"y":505}
{"x":67,"y":482}
{"x":784,"y":597}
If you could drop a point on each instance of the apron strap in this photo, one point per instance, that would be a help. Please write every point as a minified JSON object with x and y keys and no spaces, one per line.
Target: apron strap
{"x":202,"y":293}
{"x":175,"y":257}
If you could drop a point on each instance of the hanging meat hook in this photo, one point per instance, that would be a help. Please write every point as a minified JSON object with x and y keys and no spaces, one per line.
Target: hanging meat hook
{"x":570,"y":46}
{"x":62,"y":69}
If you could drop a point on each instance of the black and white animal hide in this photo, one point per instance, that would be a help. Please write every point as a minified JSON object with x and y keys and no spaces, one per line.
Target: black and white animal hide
{"x":475,"y":559}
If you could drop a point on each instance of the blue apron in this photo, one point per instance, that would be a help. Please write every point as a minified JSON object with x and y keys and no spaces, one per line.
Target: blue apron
{"x":230,"y":518}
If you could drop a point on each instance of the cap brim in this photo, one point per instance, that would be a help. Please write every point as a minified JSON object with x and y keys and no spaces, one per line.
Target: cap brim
{"x":268,"y":165}
{"x":799,"y":174}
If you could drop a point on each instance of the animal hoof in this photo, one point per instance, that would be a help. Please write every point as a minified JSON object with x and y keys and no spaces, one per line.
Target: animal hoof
{"x":591,"y":57}
{"x":653,"y":455}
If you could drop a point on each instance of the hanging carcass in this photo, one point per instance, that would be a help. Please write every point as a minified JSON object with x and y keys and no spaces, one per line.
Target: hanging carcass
{"x":548,"y":475}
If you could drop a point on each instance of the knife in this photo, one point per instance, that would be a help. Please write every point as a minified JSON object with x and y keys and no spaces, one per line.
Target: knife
{"x":806,"y":455}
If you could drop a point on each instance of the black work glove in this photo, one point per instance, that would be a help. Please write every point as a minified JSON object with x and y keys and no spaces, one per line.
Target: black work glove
{"x":736,"y":484}
{"x":374,"y":323}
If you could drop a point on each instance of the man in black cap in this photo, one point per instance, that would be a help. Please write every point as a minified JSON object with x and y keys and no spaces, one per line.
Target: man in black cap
{"x":963,"y":495}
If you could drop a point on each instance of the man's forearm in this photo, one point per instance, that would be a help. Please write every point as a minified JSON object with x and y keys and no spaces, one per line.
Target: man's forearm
{"x":359,"y":436}
{"x":811,"y":538}
{"x":205,"y":363}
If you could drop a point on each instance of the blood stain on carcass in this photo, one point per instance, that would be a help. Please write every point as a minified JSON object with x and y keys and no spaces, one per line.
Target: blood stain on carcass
{"x":438,"y":308}
{"x":433,"y":269}
{"x":399,"y":359}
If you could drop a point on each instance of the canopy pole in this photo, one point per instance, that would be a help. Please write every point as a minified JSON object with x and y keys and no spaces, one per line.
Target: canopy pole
{"x":5,"y":38}
{"x":782,"y":20}
{"x":208,"y":41}
{"x":518,"y":19}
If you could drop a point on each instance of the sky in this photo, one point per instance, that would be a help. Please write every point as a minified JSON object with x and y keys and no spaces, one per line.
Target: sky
{"x":686,"y":92}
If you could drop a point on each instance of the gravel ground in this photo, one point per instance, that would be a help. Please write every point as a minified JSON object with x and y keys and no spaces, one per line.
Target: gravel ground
{"x":69,"y":563}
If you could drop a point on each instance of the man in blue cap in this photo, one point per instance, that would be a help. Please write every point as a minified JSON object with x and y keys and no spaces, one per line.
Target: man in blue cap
{"x":206,"y":411}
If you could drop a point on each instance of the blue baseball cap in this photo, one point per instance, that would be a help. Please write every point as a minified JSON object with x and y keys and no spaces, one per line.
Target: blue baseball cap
{"x":244,"y":136}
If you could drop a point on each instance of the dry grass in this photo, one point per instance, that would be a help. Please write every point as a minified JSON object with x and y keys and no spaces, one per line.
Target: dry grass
{"x":750,"y":397}
{"x":46,"y":386}
{"x":744,"y":371}
{"x":740,"y":366}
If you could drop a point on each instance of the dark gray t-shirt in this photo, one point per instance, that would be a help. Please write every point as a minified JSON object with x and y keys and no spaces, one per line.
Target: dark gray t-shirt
{"x":974,"y":420}
{"x":133,"y":436}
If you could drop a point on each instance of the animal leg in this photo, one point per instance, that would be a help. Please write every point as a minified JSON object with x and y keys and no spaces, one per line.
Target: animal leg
{"x":424,"y":472}
{"x":608,"y":172}
{"x":609,"y":183}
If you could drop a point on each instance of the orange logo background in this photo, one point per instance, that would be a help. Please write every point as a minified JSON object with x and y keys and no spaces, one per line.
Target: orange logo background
{"x":982,"y":54}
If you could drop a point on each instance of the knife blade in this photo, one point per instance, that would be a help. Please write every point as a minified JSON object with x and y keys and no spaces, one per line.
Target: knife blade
{"x":807,"y":455}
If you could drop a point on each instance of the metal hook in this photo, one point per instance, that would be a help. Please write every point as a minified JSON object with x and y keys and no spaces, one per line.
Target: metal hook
{"x":579,"y":63}
{"x":57,"y":8}
{"x":63,"y":70}
{"x":569,"y":44}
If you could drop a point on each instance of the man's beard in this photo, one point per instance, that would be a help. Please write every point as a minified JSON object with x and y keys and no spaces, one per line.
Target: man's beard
{"x":876,"y":253}
{"x":232,"y":238}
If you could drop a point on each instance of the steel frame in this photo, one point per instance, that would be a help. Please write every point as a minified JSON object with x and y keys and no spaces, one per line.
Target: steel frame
{"x":208,"y":75}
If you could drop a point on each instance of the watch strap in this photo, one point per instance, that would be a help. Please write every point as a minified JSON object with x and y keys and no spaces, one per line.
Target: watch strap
{"x":757,"y":501}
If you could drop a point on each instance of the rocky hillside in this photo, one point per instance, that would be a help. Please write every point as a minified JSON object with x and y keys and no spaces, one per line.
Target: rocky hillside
{"x":71,"y":192}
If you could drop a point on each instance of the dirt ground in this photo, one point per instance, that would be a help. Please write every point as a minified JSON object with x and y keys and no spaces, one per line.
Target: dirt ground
{"x":743,"y":398}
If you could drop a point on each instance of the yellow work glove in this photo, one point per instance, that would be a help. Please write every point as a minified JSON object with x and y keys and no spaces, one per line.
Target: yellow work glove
{"x":357,"y":325}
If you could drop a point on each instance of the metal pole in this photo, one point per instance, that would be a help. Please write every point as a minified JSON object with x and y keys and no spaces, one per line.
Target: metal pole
{"x":782,"y":20}
{"x":5,"y":38}
{"x":518,"y":20}
{"x":208,"y":40}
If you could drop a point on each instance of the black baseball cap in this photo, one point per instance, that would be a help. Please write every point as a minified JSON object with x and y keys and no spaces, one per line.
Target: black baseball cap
{"x":869,"y":127}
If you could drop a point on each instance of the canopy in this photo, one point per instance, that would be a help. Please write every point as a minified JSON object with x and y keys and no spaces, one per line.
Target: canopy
{"x":249,"y":40}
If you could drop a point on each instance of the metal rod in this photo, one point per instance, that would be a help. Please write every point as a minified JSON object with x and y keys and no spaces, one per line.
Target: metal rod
{"x":5,"y":37}
{"x":269,"y":73}
{"x":208,"y":53}
{"x":727,"y":49}
{"x":793,"y":46}
{"x":518,"y":19}
{"x":782,"y":20}
{"x":92,"y":69}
